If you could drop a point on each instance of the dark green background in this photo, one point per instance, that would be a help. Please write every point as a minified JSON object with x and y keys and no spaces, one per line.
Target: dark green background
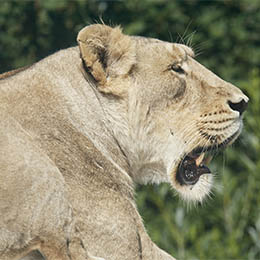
{"x":226,"y":37}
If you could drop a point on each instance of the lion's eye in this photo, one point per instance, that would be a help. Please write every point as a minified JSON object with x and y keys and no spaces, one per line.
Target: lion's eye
{"x":177,"y":68}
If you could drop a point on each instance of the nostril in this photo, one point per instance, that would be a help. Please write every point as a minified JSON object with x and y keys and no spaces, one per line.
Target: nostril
{"x":240,"y":106}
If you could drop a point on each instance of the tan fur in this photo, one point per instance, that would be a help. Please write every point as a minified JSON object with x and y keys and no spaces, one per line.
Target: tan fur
{"x":78,"y":128}
{"x":12,"y":72}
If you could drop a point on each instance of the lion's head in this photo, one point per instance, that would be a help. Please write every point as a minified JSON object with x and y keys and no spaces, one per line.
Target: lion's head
{"x":166,"y":110}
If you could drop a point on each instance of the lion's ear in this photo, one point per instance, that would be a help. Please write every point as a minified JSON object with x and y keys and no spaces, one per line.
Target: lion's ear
{"x":106,"y":53}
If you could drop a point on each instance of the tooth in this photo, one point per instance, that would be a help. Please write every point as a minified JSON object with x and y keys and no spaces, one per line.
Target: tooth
{"x":208,"y":159}
{"x":200,"y":159}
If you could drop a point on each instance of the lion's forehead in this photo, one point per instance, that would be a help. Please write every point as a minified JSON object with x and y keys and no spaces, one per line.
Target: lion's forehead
{"x":154,"y":47}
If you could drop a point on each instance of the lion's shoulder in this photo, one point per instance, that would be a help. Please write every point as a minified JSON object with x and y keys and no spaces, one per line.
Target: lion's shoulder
{"x":61,"y":57}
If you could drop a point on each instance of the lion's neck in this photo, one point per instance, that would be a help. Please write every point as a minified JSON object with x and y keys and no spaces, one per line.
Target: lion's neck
{"x":103,"y":121}
{"x":95,"y":123}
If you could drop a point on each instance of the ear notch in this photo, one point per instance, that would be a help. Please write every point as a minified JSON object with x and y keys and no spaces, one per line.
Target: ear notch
{"x":106,"y":52}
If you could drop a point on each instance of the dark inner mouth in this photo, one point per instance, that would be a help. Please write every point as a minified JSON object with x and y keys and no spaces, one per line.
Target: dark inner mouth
{"x":189,"y":170}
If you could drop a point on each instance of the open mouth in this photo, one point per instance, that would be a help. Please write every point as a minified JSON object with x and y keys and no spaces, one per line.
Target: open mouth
{"x":192,"y":167}
{"x":194,"y":164}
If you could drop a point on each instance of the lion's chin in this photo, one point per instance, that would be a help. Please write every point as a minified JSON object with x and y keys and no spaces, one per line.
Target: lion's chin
{"x":197,"y":192}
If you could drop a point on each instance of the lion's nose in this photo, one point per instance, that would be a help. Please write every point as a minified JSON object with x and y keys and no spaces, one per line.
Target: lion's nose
{"x":239,"y":106}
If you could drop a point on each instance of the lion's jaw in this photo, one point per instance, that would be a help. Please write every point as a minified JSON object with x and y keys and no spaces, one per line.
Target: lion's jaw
{"x":167,"y":108}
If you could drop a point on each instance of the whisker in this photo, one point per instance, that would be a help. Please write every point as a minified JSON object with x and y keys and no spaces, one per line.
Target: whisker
{"x":170,"y":35}
{"x":180,"y":39}
{"x":198,"y":53}
{"x":190,"y":39}
{"x":199,"y":47}
{"x":184,"y":36}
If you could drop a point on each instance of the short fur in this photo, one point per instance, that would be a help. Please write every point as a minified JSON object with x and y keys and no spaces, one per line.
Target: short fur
{"x":80,"y":127}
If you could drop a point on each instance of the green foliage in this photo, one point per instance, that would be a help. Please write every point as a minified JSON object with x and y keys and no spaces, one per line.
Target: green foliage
{"x":226,"y":33}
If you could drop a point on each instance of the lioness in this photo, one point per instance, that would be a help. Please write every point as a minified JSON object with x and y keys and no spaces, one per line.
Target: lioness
{"x":80,"y":127}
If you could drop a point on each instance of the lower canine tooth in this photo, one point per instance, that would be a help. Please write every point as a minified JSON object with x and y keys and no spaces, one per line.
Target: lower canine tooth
{"x":200,"y":159}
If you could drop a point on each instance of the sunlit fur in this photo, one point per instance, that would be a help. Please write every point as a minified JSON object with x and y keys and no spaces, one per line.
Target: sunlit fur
{"x":81,"y":127}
